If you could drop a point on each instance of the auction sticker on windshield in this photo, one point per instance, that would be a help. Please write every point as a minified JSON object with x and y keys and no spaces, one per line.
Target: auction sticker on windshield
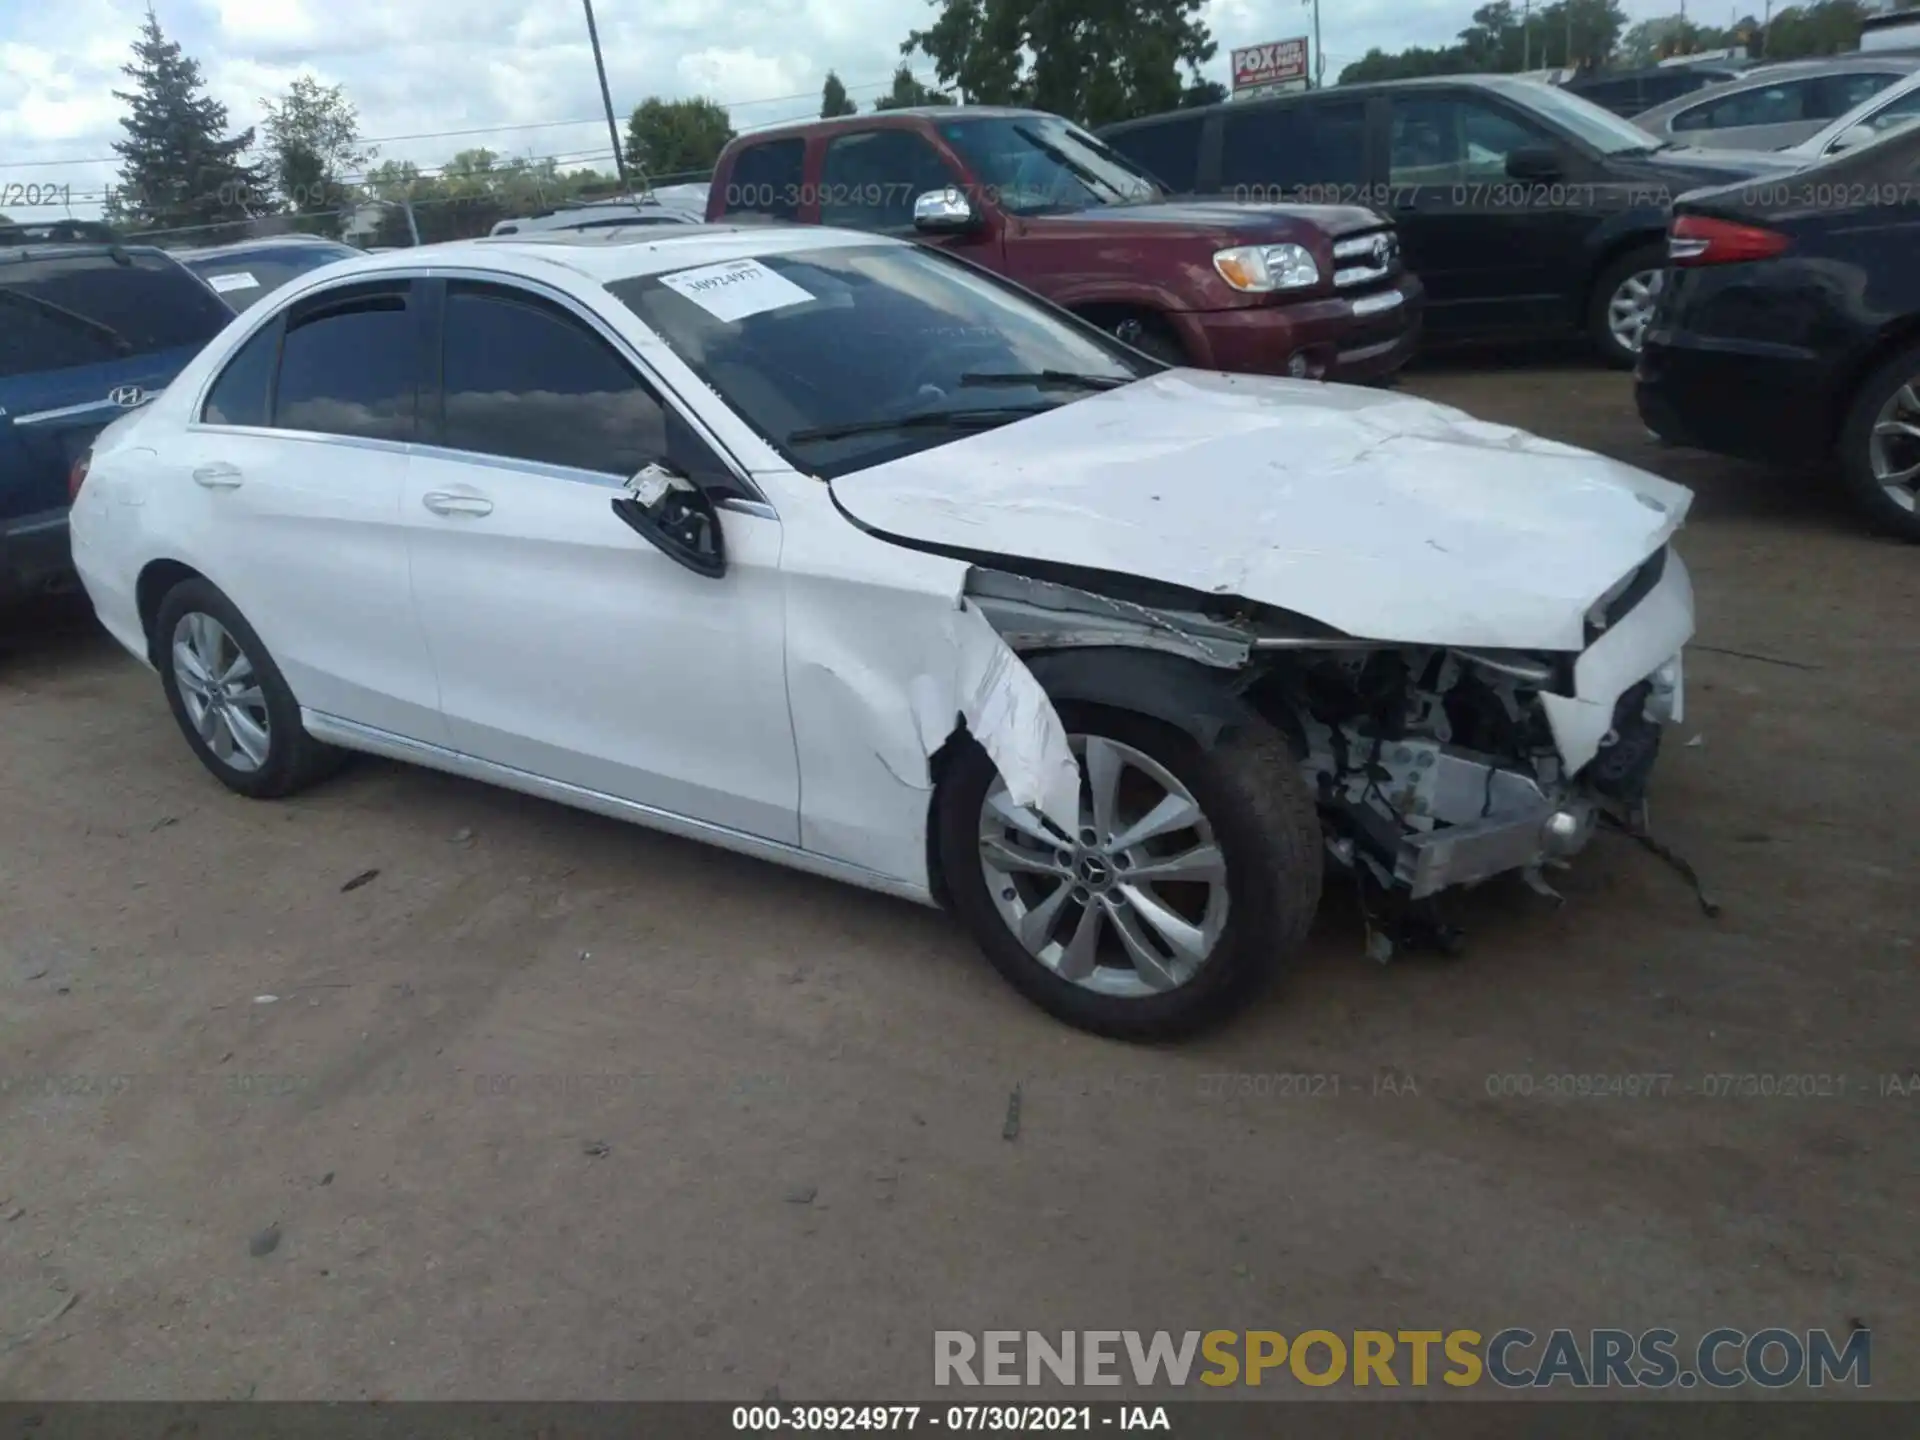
{"x":736,"y":289}
{"x":242,"y":280}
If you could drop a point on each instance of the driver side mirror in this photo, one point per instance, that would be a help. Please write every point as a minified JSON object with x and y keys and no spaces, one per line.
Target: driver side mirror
{"x":678,"y":517}
{"x":1852,"y":138}
{"x":1539,"y":163}
{"x":944,"y":212}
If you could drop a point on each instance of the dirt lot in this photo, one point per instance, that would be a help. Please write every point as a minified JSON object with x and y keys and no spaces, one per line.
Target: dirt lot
{"x":552,"y":1107}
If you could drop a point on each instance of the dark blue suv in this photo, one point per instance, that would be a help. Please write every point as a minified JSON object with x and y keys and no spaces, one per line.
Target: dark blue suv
{"x":89,"y":328}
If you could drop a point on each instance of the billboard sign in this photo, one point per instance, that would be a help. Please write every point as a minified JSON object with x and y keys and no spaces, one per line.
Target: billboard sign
{"x":1266,"y":69}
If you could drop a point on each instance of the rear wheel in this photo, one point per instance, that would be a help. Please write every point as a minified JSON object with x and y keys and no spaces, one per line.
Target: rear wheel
{"x":1192,"y":874}
{"x":1880,"y":447}
{"x":231,"y":702}
{"x":1621,"y":306}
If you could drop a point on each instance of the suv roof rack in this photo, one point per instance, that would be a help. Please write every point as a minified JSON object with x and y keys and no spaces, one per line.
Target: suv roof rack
{"x":59,"y":232}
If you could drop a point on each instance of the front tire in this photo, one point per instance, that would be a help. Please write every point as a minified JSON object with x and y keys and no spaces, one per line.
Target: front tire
{"x":1622,"y":304}
{"x":1880,"y":447}
{"x":1195,"y":872}
{"x":231,"y":702}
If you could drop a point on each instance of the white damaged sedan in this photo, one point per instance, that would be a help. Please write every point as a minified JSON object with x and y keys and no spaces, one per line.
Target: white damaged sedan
{"x":839,"y":552}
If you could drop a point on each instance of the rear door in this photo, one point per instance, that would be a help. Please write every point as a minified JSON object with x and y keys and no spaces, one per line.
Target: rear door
{"x":83,"y":338}
{"x":289,"y":483}
{"x":1303,"y":152}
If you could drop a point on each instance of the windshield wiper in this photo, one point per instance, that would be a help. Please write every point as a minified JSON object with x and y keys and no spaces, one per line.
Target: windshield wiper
{"x":925,"y":420}
{"x":1046,"y":379}
{"x":1086,"y":174}
{"x":114,"y":339}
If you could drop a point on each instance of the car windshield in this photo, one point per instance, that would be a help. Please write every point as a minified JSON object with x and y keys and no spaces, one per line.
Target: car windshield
{"x":62,"y":311}
{"x":1602,"y":129}
{"x":244,"y":278}
{"x":1039,"y":164}
{"x":924,"y":349}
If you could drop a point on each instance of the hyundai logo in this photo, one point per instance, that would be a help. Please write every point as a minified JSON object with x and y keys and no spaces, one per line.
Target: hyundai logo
{"x":128,"y":396}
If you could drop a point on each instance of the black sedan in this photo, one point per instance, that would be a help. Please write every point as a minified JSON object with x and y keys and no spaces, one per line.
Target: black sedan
{"x":245,"y":273}
{"x":1789,"y":327}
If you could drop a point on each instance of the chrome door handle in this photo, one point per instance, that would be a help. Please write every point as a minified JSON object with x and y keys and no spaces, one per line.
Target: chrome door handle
{"x":447,"y":502}
{"x":218,"y":476}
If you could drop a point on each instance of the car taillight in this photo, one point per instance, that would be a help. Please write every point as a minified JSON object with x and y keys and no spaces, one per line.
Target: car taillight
{"x":77,"y":476}
{"x":1702,"y":240}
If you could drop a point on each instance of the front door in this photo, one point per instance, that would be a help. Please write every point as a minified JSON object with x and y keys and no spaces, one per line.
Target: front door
{"x":1492,"y":251}
{"x":567,"y":646}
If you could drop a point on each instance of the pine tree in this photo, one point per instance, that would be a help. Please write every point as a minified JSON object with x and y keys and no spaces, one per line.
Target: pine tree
{"x":833,"y":99}
{"x":179,"y":166}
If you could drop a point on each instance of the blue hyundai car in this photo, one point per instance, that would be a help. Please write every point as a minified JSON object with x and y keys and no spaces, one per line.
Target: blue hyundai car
{"x":89,"y":329}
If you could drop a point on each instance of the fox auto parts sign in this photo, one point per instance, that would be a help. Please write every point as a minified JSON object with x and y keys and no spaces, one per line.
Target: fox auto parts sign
{"x":1278,"y":65}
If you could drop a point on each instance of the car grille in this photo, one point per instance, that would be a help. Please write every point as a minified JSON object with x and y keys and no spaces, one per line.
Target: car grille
{"x":1365,"y":259}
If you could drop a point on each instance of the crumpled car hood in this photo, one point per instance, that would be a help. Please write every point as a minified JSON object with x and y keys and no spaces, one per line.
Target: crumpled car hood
{"x":1387,"y":517}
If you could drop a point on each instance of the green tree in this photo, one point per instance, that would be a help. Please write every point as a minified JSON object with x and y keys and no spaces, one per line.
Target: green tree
{"x":673,"y":137}
{"x":1094,"y":61}
{"x":313,"y":147}
{"x":833,"y":99}
{"x":1202,"y":92}
{"x":1824,"y":28}
{"x":908,"y":93}
{"x":179,"y":167}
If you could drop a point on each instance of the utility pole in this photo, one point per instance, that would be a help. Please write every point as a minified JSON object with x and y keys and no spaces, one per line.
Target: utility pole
{"x":606,"y":99}
{"x":1526,"y":36}
{"x":1319,"y":61}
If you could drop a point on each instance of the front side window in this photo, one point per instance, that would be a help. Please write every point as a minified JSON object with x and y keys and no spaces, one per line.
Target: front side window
{"x":58,"y":312}
{"x":1451,"y":139}
{"x":347,"y":368}
{"x":524,"y":380}
{"x":869,"y":180}
{"x":765,"y":180}
{"x":1894,"y":113}
{"x":1039,"y":164}
{"x":924,"y":349}
{"x":1600,"y":129}
{"x":1287,"y":147}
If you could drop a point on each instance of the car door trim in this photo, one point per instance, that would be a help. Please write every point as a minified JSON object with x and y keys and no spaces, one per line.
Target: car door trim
{"x":351,"y":735}
{"x":669,"y":396}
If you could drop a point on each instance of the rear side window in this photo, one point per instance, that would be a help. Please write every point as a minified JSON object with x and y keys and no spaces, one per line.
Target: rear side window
{"x":347,"y":368}
{"x":1277,"y":151}
{"x":1170,"y":152}
{"x":529,"y":382}
{"x":766,"y":180}
{"x":61,"y":311}
{"x":1782,"y":104}
{"x":239,"y":396}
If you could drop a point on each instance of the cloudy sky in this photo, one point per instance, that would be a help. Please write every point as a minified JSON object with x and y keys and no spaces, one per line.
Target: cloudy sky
{"x":511,"y":71}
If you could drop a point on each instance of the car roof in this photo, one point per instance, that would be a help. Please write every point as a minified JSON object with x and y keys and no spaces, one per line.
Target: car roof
{"x":1332,"y":92}
{"x":255,"y":247}
{"x":604,"y":256}
{"x":1773,"y":73}
{"x":909,"y":112}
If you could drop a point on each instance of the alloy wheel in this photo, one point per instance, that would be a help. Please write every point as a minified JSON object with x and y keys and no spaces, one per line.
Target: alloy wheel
{"x":1630,"y":308}
{"x":1894,"y":450}
{"x":221,"y":692}
{"x":1134,"y":902}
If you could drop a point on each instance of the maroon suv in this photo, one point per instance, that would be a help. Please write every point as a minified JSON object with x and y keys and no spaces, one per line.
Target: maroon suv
{"x":1275,"y":289}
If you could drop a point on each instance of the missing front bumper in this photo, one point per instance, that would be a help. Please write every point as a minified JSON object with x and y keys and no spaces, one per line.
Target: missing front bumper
{"x":1456,"y":855}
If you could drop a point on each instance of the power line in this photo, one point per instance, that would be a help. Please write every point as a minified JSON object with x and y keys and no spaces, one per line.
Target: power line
{"x":480,"y":129}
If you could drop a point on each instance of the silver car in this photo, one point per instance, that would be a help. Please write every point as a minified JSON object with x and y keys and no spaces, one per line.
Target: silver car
{"x":1776,"y":106}
{"x":1893,"y":107}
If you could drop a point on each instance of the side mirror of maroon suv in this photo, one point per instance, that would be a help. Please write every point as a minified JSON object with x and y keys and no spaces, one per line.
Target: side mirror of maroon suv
{"x":1302,"y":290}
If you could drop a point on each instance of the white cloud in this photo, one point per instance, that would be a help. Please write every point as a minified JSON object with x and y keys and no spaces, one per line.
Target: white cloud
{"x":437,"y":65}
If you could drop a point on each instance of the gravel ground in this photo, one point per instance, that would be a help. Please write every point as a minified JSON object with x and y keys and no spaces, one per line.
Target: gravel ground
{"x":551,"y":1107}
